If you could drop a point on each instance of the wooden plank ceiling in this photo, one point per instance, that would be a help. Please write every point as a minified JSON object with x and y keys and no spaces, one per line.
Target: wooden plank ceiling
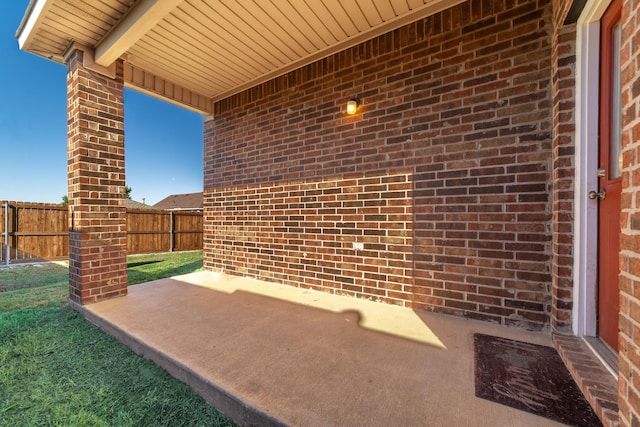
{"x":193,"y":52}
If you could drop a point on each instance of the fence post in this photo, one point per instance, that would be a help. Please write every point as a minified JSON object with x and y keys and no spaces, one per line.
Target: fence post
{"x":171,"y":231}
{"x":6,"y":233}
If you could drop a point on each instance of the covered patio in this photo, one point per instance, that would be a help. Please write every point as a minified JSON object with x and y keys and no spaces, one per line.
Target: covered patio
{"x":468,"y":178}
{"x":276,"y":355}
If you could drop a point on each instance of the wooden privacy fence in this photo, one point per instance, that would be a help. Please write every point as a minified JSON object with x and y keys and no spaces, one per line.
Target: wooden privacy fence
{"x":163,"y":231}
{"x":40,"y":231}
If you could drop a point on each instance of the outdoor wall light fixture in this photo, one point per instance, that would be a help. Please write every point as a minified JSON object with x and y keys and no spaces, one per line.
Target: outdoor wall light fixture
{"x":352,"y":105}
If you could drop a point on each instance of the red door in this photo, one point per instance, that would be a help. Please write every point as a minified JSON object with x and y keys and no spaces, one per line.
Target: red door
{"x":609,"y":171}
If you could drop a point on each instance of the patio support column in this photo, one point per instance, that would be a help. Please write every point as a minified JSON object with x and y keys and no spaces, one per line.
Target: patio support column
{"x":96,"y":179}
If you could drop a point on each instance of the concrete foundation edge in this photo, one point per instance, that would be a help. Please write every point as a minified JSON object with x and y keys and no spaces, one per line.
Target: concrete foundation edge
{"x":239,"y":411}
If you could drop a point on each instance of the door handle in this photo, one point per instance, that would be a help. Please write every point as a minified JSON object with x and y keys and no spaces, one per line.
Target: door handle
{"x":597,"y":195}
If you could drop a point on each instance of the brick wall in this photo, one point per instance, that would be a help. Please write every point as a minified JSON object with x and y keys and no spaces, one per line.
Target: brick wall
{"x":563,"y":79}
{"x":629,"y":348}
{"x":96,"y":177}
{"x":444,"y":174}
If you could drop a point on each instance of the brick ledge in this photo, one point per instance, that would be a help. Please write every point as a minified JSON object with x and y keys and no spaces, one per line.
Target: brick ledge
{"x":594,"y":380}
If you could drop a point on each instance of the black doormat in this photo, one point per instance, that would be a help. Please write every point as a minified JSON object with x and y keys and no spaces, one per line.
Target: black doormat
{"x":531,"y":378}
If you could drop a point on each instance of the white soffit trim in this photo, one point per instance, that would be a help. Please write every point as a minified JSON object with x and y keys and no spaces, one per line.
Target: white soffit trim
{"x":429,"y":8}
{"x":144,"y":16}
{"x":145,"y":82}
{"x":37,"y":12}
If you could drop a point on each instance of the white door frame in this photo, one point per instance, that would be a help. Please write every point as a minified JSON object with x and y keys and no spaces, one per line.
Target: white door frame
{"x":585,"y":264}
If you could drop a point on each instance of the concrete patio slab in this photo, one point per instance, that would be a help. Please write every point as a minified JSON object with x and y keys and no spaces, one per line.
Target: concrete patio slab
{"x":267,"y":354}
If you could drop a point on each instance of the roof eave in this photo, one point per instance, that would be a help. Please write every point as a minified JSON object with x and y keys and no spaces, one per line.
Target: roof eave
{"x":35,"y":13}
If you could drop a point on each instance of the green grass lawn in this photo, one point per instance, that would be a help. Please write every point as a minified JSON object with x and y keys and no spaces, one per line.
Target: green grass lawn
{"x":58,"y":369}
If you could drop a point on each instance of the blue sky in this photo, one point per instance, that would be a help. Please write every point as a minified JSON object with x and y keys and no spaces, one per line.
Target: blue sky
{"x":163,"y":143}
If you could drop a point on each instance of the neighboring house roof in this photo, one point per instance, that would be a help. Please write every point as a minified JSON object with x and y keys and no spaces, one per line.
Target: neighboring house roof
{"x":132,"y":204}
{"x":188,"y":201}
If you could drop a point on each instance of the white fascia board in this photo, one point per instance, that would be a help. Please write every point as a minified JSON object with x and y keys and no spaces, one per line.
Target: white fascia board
{"x":142,"y":18}
{"x":27,"y":30}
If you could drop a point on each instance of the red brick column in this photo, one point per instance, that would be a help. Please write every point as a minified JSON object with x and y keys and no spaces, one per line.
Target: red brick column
{"x":97,"y":213}
{"x":629,"y":338}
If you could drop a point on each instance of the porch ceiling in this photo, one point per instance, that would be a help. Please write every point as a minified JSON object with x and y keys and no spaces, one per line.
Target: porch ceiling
{"x":194,"y":52}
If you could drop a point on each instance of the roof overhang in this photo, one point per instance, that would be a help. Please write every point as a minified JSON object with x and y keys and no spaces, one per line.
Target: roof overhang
{"x":194,"y":52}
